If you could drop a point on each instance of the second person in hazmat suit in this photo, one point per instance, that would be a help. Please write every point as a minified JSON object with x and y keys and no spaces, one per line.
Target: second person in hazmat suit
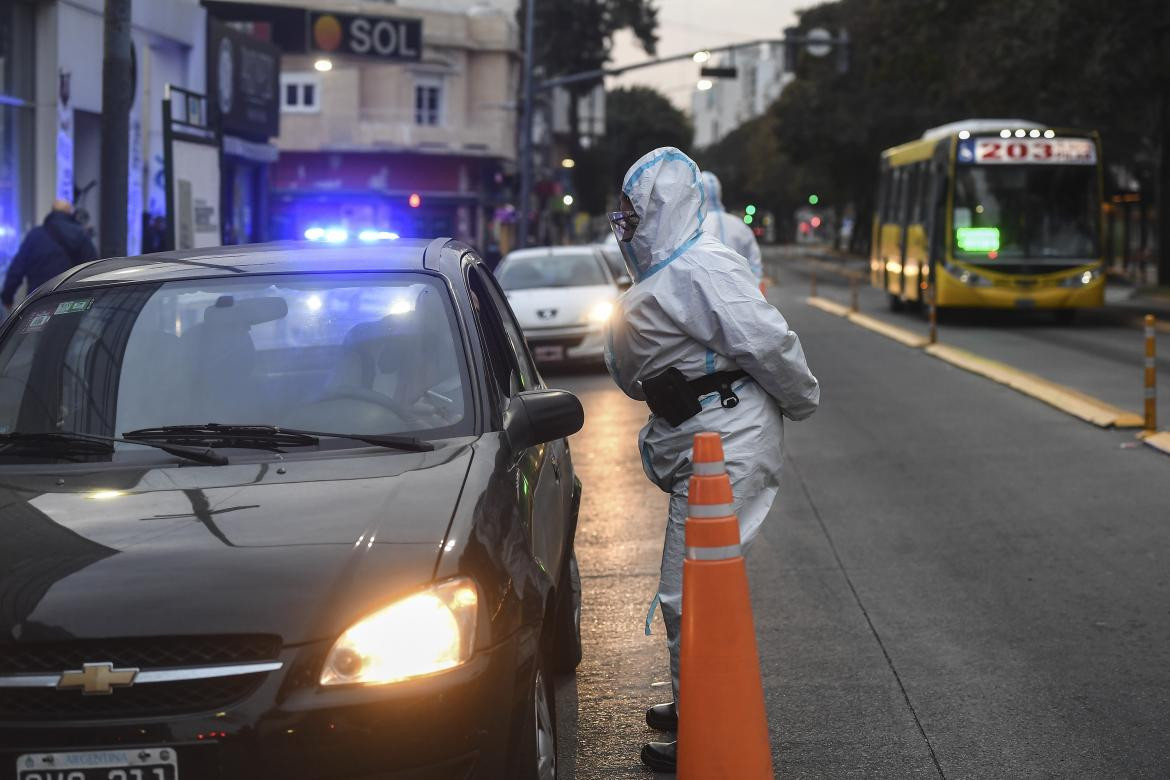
{"x":695,"y":339}
{"x":729,"y":228}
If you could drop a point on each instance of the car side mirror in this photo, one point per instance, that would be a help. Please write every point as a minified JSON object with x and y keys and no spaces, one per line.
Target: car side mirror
{"x":540,"y":416}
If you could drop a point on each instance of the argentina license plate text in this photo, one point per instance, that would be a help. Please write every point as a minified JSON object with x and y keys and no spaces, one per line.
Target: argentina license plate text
{"x":128,"y":764}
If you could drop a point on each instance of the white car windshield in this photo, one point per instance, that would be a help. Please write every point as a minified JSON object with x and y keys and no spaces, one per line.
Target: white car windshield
{"x":526,"y":272}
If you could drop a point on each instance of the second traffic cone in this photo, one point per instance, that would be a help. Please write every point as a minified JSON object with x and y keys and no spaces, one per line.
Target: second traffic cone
{"x":723,"y":728}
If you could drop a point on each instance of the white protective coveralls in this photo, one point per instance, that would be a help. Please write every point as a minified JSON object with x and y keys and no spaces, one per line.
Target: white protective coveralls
{"x":695,"y":306}
{"x":729,"y":228}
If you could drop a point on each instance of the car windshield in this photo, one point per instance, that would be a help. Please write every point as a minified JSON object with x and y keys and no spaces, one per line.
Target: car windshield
{"x":1026,"y":211}
{"x":362,"y":354}
{"x":525,"y":272}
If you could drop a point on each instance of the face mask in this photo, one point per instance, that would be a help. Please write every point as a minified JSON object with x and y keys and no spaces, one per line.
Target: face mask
{"x":619,"y":226}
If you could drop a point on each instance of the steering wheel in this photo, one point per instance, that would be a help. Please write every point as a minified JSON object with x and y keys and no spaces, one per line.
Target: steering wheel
{"x":351,"y":393}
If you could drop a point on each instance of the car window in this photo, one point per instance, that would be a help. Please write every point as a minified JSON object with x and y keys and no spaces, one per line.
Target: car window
{"x":529,"y":378}
{"x":528,"y":271}
{"x":501,"y":359}
{"x":371,"y":353}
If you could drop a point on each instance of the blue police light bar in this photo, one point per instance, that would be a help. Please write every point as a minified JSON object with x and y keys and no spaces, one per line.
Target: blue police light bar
{"x":370,"y":236}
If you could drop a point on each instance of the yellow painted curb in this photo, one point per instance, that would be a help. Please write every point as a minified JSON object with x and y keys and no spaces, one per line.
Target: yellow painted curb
{"x":831,"y":307}
{"x":901,"y":335}
{"x":1159,"y":441}
{"x":1065,"y":399}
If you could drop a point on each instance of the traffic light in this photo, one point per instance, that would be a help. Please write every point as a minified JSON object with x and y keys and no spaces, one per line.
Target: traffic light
{"x":790,"y":35}
{"x":747,"y":219}
{"x":813,"y":200}
{"x":750,"y":210}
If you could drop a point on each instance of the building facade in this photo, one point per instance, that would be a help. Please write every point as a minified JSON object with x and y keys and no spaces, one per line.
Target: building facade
{"x":759,"y":80}
{"x":417,"y":142}
{"x":51,"y":102}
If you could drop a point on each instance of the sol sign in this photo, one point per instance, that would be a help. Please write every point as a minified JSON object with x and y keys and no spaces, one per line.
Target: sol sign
{"x":382,"y":37}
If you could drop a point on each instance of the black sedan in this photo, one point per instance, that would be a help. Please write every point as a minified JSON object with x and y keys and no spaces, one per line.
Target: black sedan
{"x":285,"y":511}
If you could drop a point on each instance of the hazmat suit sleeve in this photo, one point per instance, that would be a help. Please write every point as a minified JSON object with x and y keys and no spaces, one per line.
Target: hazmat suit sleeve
{"x":731,"y":318}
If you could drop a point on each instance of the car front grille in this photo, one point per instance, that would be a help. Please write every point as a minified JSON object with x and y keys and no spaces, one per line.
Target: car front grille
{"x":139,"y":700}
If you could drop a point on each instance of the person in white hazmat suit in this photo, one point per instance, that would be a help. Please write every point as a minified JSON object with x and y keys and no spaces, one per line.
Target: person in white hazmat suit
{"x":694,"y":336}
{"x":729,"y":228}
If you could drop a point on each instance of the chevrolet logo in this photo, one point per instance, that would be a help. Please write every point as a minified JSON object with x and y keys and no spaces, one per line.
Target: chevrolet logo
{"x":97,"y":679}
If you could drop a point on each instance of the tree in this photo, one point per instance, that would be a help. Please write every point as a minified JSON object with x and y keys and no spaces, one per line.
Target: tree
{"x":637,"y":119}
{"x":575,"y":36}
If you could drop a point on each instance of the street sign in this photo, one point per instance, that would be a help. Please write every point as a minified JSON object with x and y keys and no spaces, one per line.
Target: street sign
{"x":814,"y":47}
{"x":243,"y":79}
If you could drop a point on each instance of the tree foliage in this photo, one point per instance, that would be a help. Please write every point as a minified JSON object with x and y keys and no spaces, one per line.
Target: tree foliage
{"x":637,"y":119}
{"x":915,"y":64}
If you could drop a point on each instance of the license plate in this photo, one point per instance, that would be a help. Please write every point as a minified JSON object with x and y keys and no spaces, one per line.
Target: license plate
{"x":141,"y":764}
{"x":549,"y":354}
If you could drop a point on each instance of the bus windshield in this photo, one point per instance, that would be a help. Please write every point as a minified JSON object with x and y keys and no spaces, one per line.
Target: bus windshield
{"x":1026,"y":211}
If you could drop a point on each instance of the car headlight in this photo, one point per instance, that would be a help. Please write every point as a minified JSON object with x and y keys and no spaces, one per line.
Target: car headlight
{"x":600,"y":312}
{"x":425,"y":632}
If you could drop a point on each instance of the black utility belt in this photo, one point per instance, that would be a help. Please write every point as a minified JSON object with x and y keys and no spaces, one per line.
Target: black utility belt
{"x":673,"y":397}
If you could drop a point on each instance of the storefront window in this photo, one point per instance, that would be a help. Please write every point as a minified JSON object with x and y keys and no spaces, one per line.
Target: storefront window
{"x":16,"y":117}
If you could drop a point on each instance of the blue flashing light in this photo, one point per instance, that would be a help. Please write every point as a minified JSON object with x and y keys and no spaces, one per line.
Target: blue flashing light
{"x":336,"y":235}
{"x":376,"y":235}
{"x":315,"y":233}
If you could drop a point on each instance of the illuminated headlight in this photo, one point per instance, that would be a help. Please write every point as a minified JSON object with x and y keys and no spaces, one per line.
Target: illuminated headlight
{"x":600,"y":312}
{"x":1080,"y":279}
{"x":421,"y":634}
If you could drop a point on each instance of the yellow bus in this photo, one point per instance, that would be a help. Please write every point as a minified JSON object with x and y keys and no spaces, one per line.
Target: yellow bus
{"x":991,"y":213}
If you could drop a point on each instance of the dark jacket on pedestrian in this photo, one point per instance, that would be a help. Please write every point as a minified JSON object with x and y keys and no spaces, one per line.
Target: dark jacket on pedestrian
{"x":55,"y":246}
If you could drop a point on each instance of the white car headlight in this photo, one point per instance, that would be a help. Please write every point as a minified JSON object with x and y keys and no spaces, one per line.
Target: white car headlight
{"x":600,"y":312}
{"x":423,"y":633}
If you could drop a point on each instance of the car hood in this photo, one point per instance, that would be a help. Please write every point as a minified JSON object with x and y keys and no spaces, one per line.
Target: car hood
{"x":557,"y":307}
{"x":299,"y":548}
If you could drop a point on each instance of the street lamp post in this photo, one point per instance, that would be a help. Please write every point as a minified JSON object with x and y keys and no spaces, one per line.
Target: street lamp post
{"x":117,"y":96}
{"x":526,"y":130}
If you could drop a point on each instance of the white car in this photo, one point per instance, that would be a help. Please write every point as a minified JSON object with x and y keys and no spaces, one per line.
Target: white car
{"x":562,"y":297}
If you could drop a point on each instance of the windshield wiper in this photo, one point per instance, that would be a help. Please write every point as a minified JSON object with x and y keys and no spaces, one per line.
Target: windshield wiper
{"x":389,"y":440}
{"x":91,"y":444}
{"x":255,"y":437}
{"x":270,"y":437}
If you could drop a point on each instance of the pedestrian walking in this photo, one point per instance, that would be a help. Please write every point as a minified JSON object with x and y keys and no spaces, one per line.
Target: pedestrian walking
{"x":729,"y":228}
{"x":54,"y":246}
{"x":696,"y":340}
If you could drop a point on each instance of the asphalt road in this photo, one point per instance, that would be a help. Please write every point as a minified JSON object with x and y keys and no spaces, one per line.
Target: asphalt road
{"x":1099,"y":353}
{"x":957,"y":580}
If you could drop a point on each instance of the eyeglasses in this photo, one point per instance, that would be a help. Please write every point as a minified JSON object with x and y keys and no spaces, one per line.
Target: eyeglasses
{"x":625,"y":220}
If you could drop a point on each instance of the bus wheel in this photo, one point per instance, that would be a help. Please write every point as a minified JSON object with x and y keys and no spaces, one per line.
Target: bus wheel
{"x":895,"y":302}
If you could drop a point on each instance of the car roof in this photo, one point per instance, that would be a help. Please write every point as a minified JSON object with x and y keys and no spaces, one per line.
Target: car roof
{"x":552,"y":251}
{"x":278,"y":257}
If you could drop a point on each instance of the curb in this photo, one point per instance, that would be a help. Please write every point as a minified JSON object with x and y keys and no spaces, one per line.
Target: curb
{"x":1066,"y":399}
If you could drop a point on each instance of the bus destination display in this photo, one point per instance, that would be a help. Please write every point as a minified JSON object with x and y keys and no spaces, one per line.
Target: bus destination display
{"x":1014,"y":151}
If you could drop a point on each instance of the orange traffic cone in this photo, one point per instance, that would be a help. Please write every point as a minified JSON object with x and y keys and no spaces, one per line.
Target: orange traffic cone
{"x":723,"y":729}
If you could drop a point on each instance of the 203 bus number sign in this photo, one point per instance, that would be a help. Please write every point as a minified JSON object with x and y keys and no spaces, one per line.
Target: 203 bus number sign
{"x":1008,"y":151}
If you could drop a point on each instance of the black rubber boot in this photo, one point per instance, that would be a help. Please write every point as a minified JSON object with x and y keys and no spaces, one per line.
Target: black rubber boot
{"x":660,"y":756}
{"x":662,"y":717}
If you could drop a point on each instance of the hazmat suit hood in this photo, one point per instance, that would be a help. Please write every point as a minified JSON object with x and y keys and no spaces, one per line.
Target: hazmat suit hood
{"x":667,"y":194}
{"x":714,"y":191}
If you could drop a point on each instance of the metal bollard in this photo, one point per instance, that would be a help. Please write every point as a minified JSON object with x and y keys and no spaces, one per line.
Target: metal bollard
{"x":853,"y":293}
{"x":1151,"y":378}
{"x":933,"y":317}
{"x":814,"y":284}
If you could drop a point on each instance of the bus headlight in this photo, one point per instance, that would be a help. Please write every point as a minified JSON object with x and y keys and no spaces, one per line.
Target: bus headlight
{"x":423,"y":633}
{"x":1081,"y":279}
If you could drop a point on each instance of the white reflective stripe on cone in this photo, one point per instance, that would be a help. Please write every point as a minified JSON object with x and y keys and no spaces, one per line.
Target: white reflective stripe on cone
{"x":709,"y":510}
{"x":714,"y":553}
{"x":712,"y":469}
